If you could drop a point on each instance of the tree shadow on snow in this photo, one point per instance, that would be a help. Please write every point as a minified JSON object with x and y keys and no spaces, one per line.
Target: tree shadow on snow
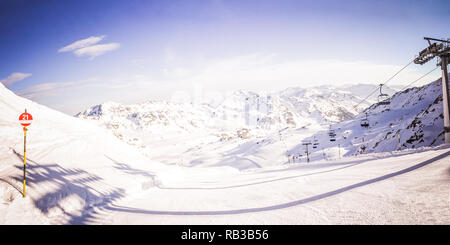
{"x":68,"y":182}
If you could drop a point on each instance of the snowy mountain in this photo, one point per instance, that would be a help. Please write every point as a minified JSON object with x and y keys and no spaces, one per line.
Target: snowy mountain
{"x":132,"y":123}
{"x":412,"y":119}
{"x":415,"y":114}
{"x":242,"y":110}
{"x":325,"y":103}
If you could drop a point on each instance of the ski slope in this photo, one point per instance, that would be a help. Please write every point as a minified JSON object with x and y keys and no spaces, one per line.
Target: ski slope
{"x":71,"y":165}
{"x":80,"y":173}
{"x":402,"y":188}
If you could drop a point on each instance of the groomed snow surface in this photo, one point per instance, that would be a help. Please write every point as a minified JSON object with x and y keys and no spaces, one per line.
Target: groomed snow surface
{"x":80,"y":173}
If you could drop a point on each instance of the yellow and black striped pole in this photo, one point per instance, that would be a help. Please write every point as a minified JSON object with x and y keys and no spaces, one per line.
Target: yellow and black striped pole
{"x":24,"y":158}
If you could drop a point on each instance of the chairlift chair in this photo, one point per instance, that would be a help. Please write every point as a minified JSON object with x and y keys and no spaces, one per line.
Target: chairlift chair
{"x":383,"y":99}
{"x":365,"y":123}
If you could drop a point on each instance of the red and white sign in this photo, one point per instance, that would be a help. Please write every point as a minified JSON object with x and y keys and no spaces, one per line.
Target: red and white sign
{"x":25,"y":119}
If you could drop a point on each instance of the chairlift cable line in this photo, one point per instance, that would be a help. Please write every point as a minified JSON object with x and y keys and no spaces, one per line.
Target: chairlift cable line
{"x":401,"y":89}
{"x":411,"y":83}
{"x":398,"y":72}
{"x":382,"y":84}
{"x":376,"y":89}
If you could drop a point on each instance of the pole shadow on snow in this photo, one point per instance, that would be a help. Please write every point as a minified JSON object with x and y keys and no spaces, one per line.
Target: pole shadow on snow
{"x":284,"y":205}
{"x":133,"y":171}
{"x":129,"y":170}
{"x":68,"y":182}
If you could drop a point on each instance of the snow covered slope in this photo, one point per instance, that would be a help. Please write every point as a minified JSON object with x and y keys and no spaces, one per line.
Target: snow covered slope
{"x":72,"y":165}
{"x":413,"y":118}
{"x":415,"y":114}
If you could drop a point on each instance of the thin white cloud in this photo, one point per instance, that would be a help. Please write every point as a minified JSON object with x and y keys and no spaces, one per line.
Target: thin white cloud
{"x":14,"y":77}
{"x":81,"y":44}
{"x":89,"y":47}
{"x":96,"y":50}
{"x":44,"y":90}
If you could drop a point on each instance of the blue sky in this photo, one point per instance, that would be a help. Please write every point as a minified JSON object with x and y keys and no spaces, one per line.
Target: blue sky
{"x":130,"y":51}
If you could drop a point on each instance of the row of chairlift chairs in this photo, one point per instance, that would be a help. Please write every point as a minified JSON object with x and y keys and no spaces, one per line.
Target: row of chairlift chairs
{"x":315,"y":144}
{"x":332,"y":135}
{"x":383,"y":99}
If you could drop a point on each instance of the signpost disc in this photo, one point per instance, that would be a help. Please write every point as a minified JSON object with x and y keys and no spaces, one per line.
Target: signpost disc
{"x":25,"y":119}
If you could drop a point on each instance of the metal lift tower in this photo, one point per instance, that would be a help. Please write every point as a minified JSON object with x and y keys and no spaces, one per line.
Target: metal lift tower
{"x":307,"y":151}
{"x":439,"y":48}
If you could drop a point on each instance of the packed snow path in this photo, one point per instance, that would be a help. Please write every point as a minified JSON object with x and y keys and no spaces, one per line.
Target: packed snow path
{"x":403,"y":189}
